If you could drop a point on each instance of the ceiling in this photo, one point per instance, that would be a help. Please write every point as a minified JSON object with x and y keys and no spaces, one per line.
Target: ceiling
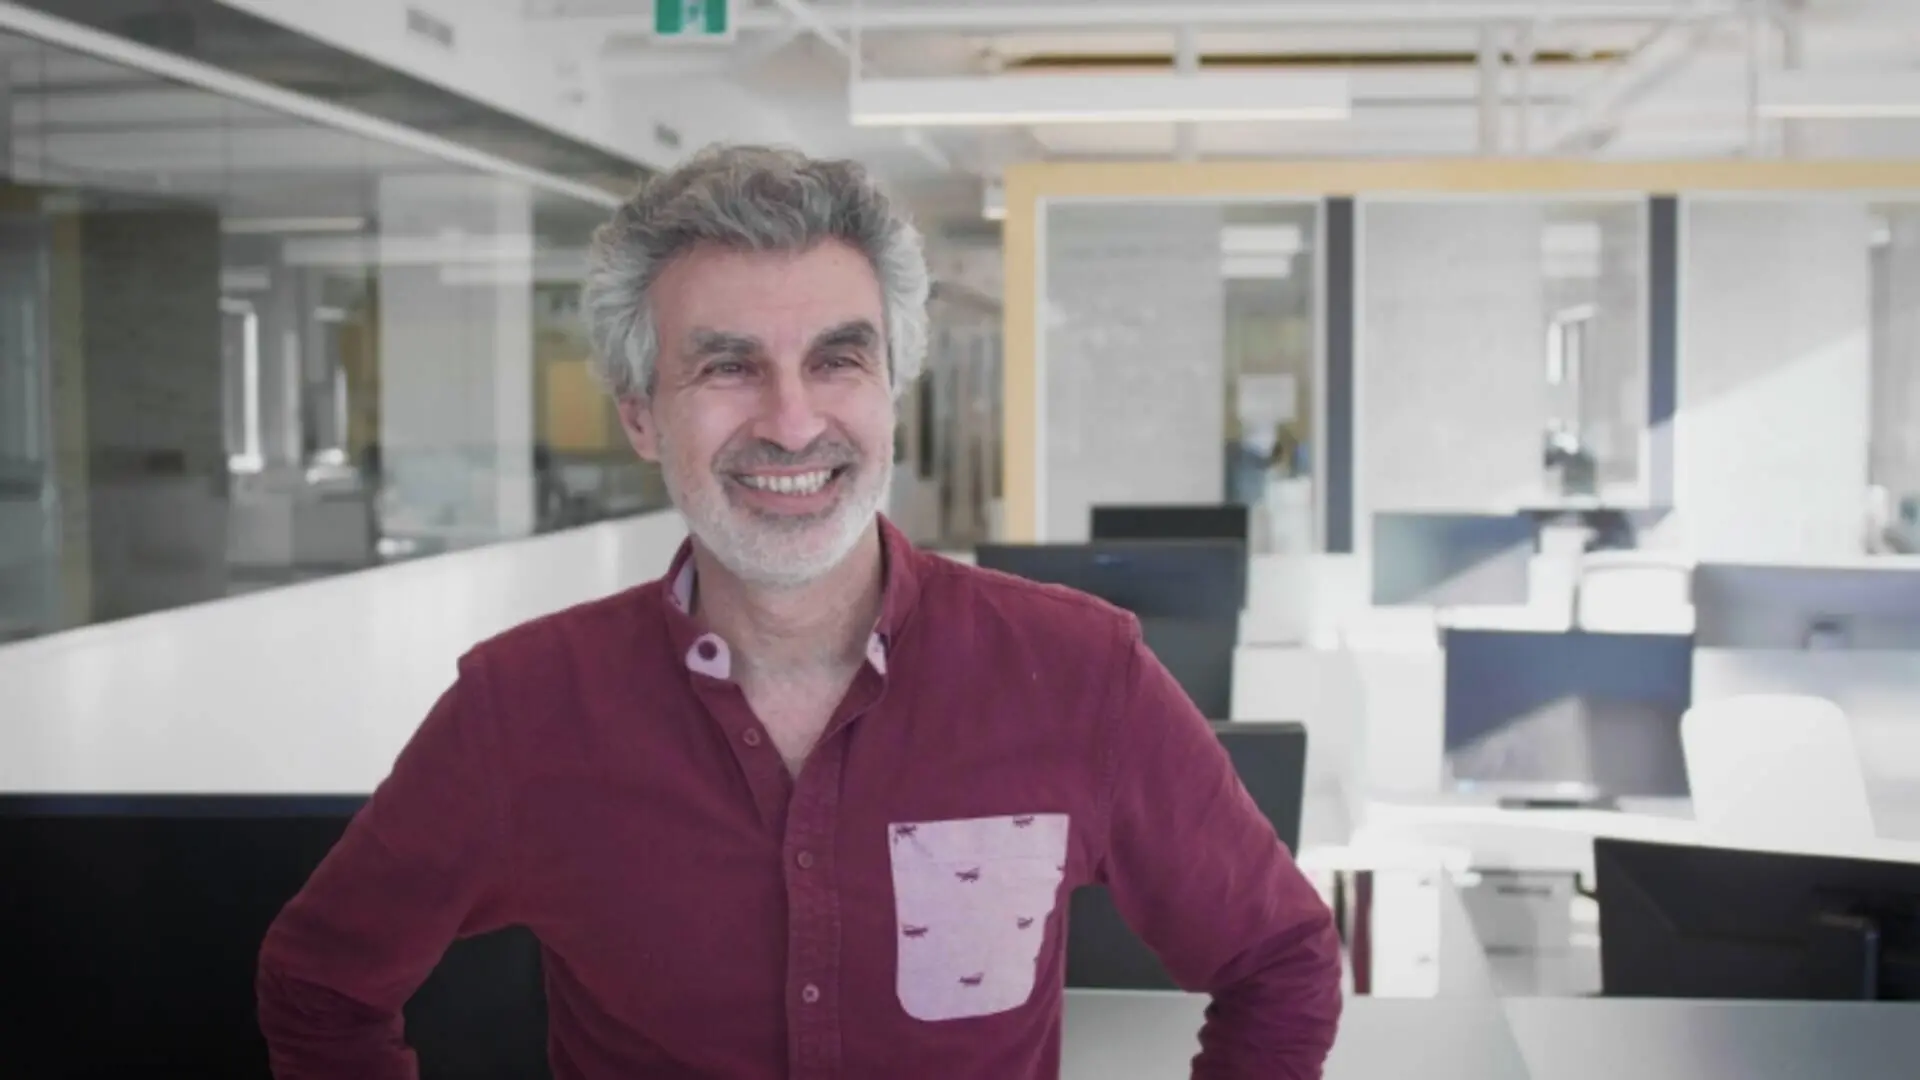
{"x":107,"y":134}
{"x":1618,"y":78}
{"x":227,"y":39}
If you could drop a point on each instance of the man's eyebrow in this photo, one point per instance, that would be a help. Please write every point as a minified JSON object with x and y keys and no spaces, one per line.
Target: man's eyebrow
{"x":705,"y":343}
{"x":855,"y":333}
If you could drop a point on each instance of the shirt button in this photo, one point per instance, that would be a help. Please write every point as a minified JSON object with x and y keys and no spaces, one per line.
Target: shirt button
{"x":810,"y":994}
{"x":805,"y":859}
{"x":751,"y":737}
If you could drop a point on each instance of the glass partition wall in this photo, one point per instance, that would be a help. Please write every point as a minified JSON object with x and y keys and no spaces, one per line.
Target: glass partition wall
{"x":241,"y":348}
{"x":1502,"y":346}
{"x":1180,"y":359}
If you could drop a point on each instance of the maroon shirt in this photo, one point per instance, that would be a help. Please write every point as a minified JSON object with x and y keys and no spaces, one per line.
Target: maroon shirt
{"x":896,"y":910}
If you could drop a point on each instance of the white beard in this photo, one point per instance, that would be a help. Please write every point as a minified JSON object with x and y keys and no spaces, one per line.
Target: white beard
{"x":772,"y":552}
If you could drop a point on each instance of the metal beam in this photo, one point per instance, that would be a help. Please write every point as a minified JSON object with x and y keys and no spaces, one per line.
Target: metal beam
{"x":814,"y":22}
{"x":1582,"y":126}
{"x":1490,"y":94}
{"x":1186,"y":60}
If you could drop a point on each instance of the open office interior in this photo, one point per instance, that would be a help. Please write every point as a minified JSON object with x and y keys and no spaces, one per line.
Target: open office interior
{"x":1510,"y":443}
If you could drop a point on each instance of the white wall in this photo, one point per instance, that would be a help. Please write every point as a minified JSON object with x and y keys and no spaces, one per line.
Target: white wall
{"x":1770,"y":444}
{"x":310,"y":689}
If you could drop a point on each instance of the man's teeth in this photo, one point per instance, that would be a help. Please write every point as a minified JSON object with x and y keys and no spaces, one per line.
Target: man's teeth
{"x":791,"y":484}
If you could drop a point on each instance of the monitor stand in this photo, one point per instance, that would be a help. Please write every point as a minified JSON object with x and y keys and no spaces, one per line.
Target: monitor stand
{"x":1843,"y":958}
{"x":1559,"y":802}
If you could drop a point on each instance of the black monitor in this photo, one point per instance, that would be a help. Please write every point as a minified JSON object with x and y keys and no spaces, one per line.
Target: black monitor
{"x":1224,"y":521}
{"x":1102,"y":951}
{"x":1198,"y":653}
{"x":130,"y":927}
{"x":1679,"y":921}
{"x":1172,"y":579}
{"x":1452,"y":559}
{"x":1531,"y":713}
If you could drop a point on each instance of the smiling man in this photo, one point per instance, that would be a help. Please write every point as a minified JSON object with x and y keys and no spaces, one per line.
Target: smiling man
{"x":810,"y":805}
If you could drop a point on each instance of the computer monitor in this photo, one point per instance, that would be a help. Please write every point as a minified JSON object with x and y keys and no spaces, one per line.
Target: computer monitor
{"x":131,"y":927}
{"x":1198,"y":653}
{"x":1595,"y":715}
{"x":1222,"y":521}
{"x":1444,"y":560}
{"x":1102,"y":951}
{"x":1679,"y":921}
{"x":1756,"y":606}
{"x":1168,"y":579}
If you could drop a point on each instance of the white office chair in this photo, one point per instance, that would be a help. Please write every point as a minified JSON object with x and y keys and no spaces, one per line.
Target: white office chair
{"x":1776,"y":771}
{"x":1634,"y":592}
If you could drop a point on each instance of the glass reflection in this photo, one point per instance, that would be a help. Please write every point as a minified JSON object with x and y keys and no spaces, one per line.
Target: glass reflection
{"x":240,"y":350}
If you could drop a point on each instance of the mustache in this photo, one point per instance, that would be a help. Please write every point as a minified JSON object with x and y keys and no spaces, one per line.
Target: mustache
{"x":822,"y":453}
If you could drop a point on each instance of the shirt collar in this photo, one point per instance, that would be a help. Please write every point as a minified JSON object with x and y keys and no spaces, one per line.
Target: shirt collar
{"x":706,"y":653}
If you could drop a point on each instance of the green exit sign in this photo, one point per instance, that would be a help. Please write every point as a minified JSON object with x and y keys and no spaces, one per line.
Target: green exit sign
{"x":693,"y":20}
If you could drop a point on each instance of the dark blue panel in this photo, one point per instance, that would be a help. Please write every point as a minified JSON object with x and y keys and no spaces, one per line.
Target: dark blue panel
{"x":1518,"y":702}
{"x":1663,"y":343}
{"x":1338,"y":474}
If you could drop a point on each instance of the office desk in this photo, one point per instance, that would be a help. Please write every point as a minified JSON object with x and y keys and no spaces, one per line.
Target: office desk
{"x":1134,"y":1035}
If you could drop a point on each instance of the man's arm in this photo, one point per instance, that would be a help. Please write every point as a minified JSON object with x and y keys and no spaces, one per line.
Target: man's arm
{"x":425,"y":861}
{"x":1197,"y":871}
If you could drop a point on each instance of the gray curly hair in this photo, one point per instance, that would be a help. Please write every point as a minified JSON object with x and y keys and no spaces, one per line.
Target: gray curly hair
{"x":751,"y":198}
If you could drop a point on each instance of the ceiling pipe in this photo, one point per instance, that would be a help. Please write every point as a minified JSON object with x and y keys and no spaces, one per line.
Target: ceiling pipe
{"x":1186,"y":61}
{"x":1490,"y":64}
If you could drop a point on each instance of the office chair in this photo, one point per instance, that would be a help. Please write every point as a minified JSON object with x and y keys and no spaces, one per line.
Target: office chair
{"x":1776,"y":771}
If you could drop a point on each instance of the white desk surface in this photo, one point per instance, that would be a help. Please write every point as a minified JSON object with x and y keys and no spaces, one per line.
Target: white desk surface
{"x":1126,"y":1035}
{"x":1497,"y":838}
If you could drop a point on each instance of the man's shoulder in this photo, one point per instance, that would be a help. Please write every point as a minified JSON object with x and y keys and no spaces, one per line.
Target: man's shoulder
{"x":555,"y":641}
{"x":1007,"y":611}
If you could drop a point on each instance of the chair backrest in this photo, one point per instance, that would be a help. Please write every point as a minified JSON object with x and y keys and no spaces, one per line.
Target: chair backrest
{"x":1777,"y":771}
{"x":1102,"y":950}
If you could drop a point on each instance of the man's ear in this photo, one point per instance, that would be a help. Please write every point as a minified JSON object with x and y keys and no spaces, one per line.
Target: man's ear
{"x":636,"y":419}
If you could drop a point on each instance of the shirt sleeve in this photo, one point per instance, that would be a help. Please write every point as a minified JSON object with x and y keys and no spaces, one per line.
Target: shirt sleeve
{"x":1198,"y":872}
{"x":425,"y":861}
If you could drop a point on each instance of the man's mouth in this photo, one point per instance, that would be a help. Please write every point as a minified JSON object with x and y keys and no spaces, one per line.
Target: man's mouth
{"x":801,"y":483}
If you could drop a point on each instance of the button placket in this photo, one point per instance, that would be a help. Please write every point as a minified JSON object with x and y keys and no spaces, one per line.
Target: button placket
{"x":814,"y":915}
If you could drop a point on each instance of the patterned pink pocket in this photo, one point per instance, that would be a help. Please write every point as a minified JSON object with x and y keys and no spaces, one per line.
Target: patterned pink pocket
{"x":973,"y":898}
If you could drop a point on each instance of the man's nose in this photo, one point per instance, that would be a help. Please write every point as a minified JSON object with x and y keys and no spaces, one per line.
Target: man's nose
{"x":790,"y":417}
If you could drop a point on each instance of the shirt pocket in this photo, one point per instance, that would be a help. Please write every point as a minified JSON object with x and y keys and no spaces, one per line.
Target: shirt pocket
{"x":972,"y":900}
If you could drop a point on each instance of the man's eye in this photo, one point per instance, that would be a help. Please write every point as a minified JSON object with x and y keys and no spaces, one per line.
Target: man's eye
{"x":727,"y":367}
{"x":842,"y":361}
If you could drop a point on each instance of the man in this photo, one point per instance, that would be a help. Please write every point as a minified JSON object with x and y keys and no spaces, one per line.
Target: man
{"x":808,"y":806}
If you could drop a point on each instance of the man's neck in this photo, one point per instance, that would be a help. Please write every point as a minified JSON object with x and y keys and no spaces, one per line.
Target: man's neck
{"x":814,"y":628}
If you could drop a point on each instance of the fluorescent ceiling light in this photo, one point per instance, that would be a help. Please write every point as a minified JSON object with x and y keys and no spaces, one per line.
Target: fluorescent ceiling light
{"x":247,"y":226}
{"x":1097,"y":99}
{"x":993,"y":202}
{"x":1269,"y":240}
{"x":1256,"y":267}
{"x":1570,"y":238}
{"x":1840,"y":95}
